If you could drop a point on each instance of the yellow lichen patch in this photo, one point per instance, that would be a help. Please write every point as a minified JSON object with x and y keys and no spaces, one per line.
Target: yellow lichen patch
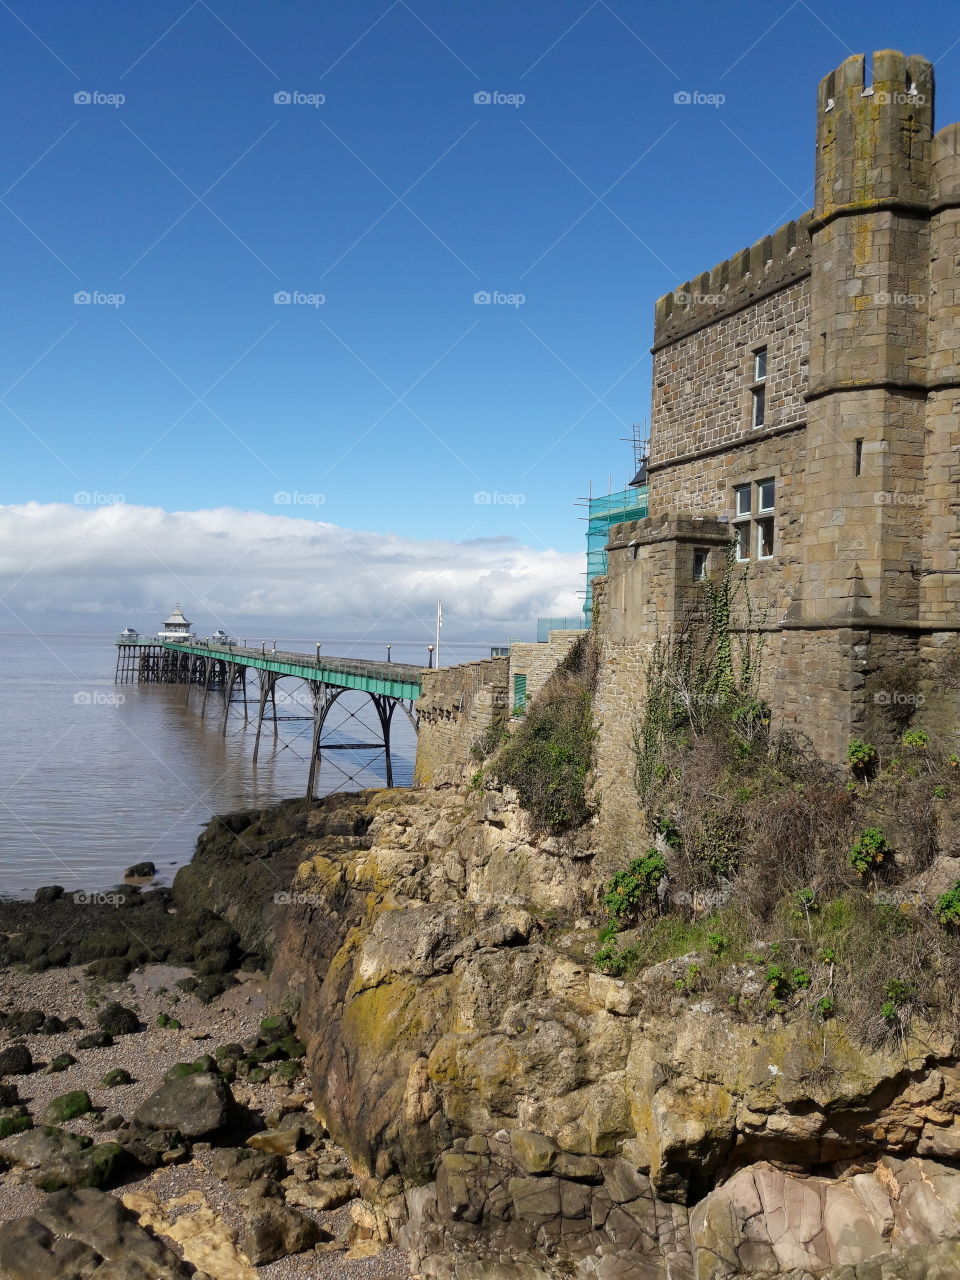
{"x":377,"y":1019}
{"x":442,"y":1063}
{"x":318,"y":874}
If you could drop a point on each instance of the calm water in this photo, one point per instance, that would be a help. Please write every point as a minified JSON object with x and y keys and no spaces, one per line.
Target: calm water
{"x":92,"y":783}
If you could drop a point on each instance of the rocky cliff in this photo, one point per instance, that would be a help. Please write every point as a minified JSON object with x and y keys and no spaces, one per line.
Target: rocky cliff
{"x":513,"y":1113}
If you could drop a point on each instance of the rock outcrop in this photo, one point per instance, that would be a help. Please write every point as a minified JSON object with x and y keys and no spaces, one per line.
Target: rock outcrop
{"x":509,"y":1111}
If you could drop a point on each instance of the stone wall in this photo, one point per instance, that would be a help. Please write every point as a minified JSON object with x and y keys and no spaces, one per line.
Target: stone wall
{"x":858,"y":307}
{"x":457,"y":705}
{"x":539,"y":661}
{"x":768,"y":266}
{"x":701,"y":383}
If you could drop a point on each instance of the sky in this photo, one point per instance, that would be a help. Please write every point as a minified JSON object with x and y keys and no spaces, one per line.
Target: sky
{"x":320,"y":310}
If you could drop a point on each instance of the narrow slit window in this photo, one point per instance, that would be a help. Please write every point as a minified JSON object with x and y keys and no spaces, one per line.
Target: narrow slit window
{"x":700,"y":561}
{"x":858,"y":458}
{"x":758,"y":391}
{"x":759,"y":415}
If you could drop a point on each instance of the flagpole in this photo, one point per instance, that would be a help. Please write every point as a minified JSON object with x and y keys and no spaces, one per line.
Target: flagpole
{"x":439,"y":624}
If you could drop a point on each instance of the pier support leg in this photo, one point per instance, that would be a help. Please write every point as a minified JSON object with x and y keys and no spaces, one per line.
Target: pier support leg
{"x":320,"y":707}
{"x":266,"y":687}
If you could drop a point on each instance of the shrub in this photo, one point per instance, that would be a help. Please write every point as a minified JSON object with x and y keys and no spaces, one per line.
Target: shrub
{"x":869,"y":851}
{"x":629,"y":892}
{"x":489,"y":742}
{"x":917,"y":739}
{"x":947,"y":906}
{"x":861,"y":756}
{"x":549,"y":756}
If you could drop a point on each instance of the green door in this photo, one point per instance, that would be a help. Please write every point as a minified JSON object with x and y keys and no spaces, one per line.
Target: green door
{"x":519,"y":693}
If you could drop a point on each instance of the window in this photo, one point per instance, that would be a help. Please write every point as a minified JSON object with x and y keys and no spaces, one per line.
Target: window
{"x":758,"y":392}
{"x":700,"y":559}
{"x":764,"y":519}
{"x":753,"y":521}
{"x":742,"y":495}
{"x":519,"y":694}
{"x":858,"y":457}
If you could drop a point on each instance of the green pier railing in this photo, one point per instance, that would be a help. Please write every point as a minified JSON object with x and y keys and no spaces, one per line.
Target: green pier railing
{"x":394,"y":679}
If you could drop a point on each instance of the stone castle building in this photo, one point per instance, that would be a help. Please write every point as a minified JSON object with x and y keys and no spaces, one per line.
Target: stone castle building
{"x":806,"y":408}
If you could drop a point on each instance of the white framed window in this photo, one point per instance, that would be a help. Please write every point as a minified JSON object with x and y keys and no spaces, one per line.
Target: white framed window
{"x":742,"y":508}
{"x":758,"y":392}
{"x":754,"y":519}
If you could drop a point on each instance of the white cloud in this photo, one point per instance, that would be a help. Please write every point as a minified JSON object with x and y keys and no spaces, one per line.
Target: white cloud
{"x":104,"y":566}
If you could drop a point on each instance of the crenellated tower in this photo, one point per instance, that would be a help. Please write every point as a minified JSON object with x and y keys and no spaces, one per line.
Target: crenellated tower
{"x":869,"y":296}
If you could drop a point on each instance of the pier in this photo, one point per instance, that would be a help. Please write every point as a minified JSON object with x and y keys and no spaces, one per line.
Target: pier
{"x":227,"y":670}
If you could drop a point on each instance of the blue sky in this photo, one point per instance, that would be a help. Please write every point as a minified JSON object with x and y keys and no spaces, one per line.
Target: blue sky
{"x":391,"y":404}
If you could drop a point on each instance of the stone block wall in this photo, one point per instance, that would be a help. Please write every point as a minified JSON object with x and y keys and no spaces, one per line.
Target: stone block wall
{"x":456,"y":707}
{"x":539,"y":661}
{"x":701,"y":382}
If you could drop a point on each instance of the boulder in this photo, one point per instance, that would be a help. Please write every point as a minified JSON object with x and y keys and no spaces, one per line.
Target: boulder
{"x":278,"y":1232}
{"x":60,"y":1063}
{"x":116,"y":1076}
{"x":58,"y":1159}
{"x":763,"y":1219}
{"x":194,"y":1104}
{"x":279,"y":1142}
{"x":48,"y":893}
{"x":95,"y":1040}
{"x":117,"y":1020}
{"x":83,"y":1233}
{"x":239,"y":1166}
{"x":67,"y":1107}
{"x":140,"y":870}
{"x":15,"y":1060}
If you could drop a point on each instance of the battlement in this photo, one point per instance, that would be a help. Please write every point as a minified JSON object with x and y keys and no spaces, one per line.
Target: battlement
{"x":770,"y":264}
{"x":873,"y":139}
{"x":668,"y":527}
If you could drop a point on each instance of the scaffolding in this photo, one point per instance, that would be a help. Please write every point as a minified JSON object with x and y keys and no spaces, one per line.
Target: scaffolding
{"x":602,"y":514}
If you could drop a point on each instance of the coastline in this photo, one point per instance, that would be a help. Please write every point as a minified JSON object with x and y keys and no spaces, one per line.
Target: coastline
{"x":192,"y":983}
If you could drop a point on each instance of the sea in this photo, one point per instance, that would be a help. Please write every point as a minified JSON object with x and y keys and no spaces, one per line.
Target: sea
{"x":96,"y":776}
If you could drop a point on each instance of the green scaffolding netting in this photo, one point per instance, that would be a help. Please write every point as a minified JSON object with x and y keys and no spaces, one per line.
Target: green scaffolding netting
{"x":613,"y":508}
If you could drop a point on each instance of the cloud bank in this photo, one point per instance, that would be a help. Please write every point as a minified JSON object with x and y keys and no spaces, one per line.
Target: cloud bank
{"x":101,"y":568}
